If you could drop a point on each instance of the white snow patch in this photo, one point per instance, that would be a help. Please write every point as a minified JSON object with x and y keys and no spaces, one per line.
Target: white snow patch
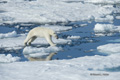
{"x":107,"y":18}
{"x":8,"y":35}
{"x":41,"y":53}
{"x":58,"y":29}
{"x":32,"y":50}
{"x":109,"y":48}
{"x":105,"y":29}
{"x":73,"y":37}
{"x":117,"y":17}
{"x":74,"y":69}
{"x":44,"y":11}
{"x":8,"y":58}
{"x":82,"y":25}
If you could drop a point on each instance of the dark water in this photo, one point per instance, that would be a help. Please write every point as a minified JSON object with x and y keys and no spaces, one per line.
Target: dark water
{"x":4,"y":29}
{"x":87,"y":44}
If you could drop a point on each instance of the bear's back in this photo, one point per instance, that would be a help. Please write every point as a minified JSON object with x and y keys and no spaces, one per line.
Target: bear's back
{"x":40,"y":31}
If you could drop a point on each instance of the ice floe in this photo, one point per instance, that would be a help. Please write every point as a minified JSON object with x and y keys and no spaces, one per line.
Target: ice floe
{"x":117,"y":17}
{"x":45,"y":11}
{"x":40,"y":11}
{"x":107,"y":18}
{"x":105,"y":29}
{"x":109,"y":48}
{"x":58,"y":29}
{"x":73,"y":37}
{"x":8,"y":58}
{"x":78,"y":68}
{"x":31,"y":50}
{"x":40,"y":53}
{"x":8,"y":35}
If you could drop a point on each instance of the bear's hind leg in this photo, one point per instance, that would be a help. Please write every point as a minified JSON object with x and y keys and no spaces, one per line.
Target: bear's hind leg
{"x":31,"y":40}
{"x":27,"y":39}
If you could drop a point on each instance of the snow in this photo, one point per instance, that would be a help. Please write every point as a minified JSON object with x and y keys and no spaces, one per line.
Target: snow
{"x":74,"y":69}
{"x":109,"y":48}
{"x":82,"y":25}
{"x":8,"y":58}
{"x":73,"y":37}
{"x":40,"y":11}
{"x":8,"y":35}
{"x":105,"y":29}
{"x":108,"y":18}
{"x":117,"y":17}
{"x":53,"y":11}
{"x":58,"y":29}
{"x":31,"y":52}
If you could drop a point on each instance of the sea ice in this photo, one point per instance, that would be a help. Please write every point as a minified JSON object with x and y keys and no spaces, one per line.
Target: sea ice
{"x":73,"y":37}
{"x":54,"y":11}
{"x":74,"y":69}
{"x":8,"y":58}
{"x":105,"y":29}
{"x":41,"y":52}
{"x":44,"y":11}
{"x":109,"y":48}
{"x":58,"y":29}
{"x":117,"y":17}
{"x":32,"y":50}
{"x":8,"y":35}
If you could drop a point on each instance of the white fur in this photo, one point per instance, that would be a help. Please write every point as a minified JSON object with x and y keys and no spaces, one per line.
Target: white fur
{"x":40,"y":32}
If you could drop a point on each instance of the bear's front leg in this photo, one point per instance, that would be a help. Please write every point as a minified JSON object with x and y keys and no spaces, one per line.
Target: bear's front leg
{"x":49,"y":40}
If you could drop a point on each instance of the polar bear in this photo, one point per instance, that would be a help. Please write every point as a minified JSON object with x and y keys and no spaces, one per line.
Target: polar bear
{"x":40,"y":32}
